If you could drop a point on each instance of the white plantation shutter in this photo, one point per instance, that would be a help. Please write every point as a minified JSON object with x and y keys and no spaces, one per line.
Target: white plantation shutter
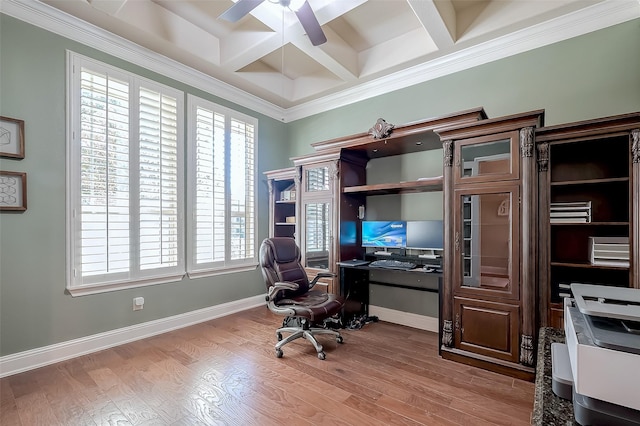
{"x":221,"y":187}
{"x":125,"y":179}
{"x":209,"y":186}
{"x":241,"y":190}
{"x":104,"y":168}
{"x":159,"y":222}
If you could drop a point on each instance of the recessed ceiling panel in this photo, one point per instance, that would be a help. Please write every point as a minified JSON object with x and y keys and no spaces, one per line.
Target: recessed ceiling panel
{"x":367,"y":40}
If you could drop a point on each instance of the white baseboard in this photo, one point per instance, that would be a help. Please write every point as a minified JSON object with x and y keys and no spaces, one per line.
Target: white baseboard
{"x":409,"y":319}
{"x":39,"y":357}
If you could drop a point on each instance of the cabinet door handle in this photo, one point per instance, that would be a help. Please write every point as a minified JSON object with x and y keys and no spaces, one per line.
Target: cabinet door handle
{"x":457,"y":241}
{"x":457,"y":322}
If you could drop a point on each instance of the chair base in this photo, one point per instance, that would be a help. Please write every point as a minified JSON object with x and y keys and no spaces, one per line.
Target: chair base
{"x":305,"y":332}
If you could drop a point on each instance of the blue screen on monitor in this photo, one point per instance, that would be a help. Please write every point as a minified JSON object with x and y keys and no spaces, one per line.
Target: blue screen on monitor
{"x":384,"y":233}
{"x":348,"y":233}
{"x":425,"y":234}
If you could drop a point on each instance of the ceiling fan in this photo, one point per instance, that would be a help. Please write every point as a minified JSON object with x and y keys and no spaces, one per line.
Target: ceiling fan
{"x":301,"y":8}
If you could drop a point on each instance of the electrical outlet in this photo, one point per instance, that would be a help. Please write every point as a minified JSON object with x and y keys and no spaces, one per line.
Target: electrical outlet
{"x":138,"y":303}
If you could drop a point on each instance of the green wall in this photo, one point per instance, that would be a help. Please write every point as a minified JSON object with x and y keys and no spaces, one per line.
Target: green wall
{"x":34,"y":309}
{"x":594,"y":75}
{"x":591,"y":76}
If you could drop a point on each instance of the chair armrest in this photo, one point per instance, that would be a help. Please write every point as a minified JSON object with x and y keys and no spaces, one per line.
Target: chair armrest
{"x":320,"y":275}
{"x":282,"y":285}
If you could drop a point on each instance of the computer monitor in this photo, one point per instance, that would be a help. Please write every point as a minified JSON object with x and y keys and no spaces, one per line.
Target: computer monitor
{"x":425,"y":234}
{"x":384,"y":234}
{"x":348,"y":234}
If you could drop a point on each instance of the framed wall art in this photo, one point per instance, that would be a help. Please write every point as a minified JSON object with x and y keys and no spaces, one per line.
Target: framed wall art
{"x":11,"y":137}
{"x":13,"y":191}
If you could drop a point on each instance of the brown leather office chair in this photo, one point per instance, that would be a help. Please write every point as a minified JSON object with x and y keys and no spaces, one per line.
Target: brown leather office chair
{"x":290,"y":293}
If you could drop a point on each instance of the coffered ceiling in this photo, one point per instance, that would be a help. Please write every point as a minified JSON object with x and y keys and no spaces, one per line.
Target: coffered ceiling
{"x":372,"y":46}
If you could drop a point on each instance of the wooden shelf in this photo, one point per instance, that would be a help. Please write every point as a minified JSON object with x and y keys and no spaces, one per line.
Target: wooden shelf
{"x":589,"y":223}
{"x":425,"y":185}
{"x":285,"y":201}
{"x":589,"y":181}
{"x":587,"y":265}
{"x":286,"y":223}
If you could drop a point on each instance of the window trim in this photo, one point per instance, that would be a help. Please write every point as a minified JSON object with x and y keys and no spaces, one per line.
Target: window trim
{"x":225,"y":266}
{"x":142,"y":277}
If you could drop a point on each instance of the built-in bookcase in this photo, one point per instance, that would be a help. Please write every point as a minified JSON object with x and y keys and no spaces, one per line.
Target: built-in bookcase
{"x":283,"y":196}
{"x":587,"y":186}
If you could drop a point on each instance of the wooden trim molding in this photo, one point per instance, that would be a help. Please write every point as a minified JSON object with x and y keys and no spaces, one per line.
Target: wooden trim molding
{"x":526,"y":142}
{"x":447,"y":147}
{"x":447,"y":333}
{"x":543,"y":156}
{"x":526,"y":350}
{"x":635,"y":145}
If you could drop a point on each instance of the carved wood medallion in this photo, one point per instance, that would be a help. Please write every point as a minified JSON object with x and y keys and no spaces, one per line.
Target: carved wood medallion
{"x":381,"y":129}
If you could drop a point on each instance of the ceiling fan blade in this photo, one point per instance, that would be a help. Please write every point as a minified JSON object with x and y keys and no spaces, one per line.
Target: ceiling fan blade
{"x":310,"y":24}
{"x":239,"y":10}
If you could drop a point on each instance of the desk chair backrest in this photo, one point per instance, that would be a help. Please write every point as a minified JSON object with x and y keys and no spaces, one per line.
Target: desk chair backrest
{"x":280,"y":262}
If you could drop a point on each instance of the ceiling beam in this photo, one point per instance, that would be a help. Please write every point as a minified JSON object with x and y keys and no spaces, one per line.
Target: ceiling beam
{"x":335,"y":55}
{"x":439,"y":21}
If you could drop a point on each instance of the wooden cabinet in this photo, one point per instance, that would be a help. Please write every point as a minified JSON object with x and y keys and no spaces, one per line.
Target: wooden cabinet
{"x":488,"y":300}
{"x":283,"y":193}
{"x":333,"y":186}
{"x":589,"y":191}
{"x":487,"y":328}
{"x":486,"y":227}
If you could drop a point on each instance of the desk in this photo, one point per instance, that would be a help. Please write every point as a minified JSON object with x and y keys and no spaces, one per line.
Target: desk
{"x":355,"y":280}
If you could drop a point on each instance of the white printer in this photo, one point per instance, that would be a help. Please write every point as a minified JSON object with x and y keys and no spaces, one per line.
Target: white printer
{"x":602,"y":328}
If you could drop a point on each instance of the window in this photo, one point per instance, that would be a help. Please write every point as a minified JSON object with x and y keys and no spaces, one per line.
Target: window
{"x":125,"y":179}
{"x":221,"y":188}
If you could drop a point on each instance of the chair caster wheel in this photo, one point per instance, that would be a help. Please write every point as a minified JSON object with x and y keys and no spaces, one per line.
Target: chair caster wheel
{"x":339,"y":339}
{"x":321,"y":355}
{"x":279,"y":335}
{"x":279,"y":353}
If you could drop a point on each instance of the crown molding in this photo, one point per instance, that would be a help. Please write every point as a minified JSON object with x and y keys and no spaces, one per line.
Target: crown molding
{"x":601,"y":15}
{"x":51,"y":19}
{"x":593,"y":18}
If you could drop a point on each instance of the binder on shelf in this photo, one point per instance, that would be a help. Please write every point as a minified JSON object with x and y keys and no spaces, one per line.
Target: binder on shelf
{"x":570,"y":212}
{"x":609,"y":251}
{"x":619,"y":263}
{"x":570,"y":220}
{"x":564,"y":290}
{"x":288,"y":194}
{"x":567,"y":213}
{"x":569,"y":205}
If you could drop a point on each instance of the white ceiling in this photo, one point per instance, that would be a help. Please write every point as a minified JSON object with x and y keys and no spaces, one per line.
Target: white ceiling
{"x":373,"y":46}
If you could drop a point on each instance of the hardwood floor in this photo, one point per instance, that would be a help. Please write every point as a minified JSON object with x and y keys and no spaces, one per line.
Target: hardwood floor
{"x":225,"y":372}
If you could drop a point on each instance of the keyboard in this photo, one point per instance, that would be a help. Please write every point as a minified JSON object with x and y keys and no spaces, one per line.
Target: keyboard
{"x":392,"y":264}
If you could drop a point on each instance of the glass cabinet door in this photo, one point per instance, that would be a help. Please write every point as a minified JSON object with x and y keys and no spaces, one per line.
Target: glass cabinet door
{"x":486,"y":240}
{"x":317,"y":235}
{"x":487,"y":158}
{"x":316,"y":179}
